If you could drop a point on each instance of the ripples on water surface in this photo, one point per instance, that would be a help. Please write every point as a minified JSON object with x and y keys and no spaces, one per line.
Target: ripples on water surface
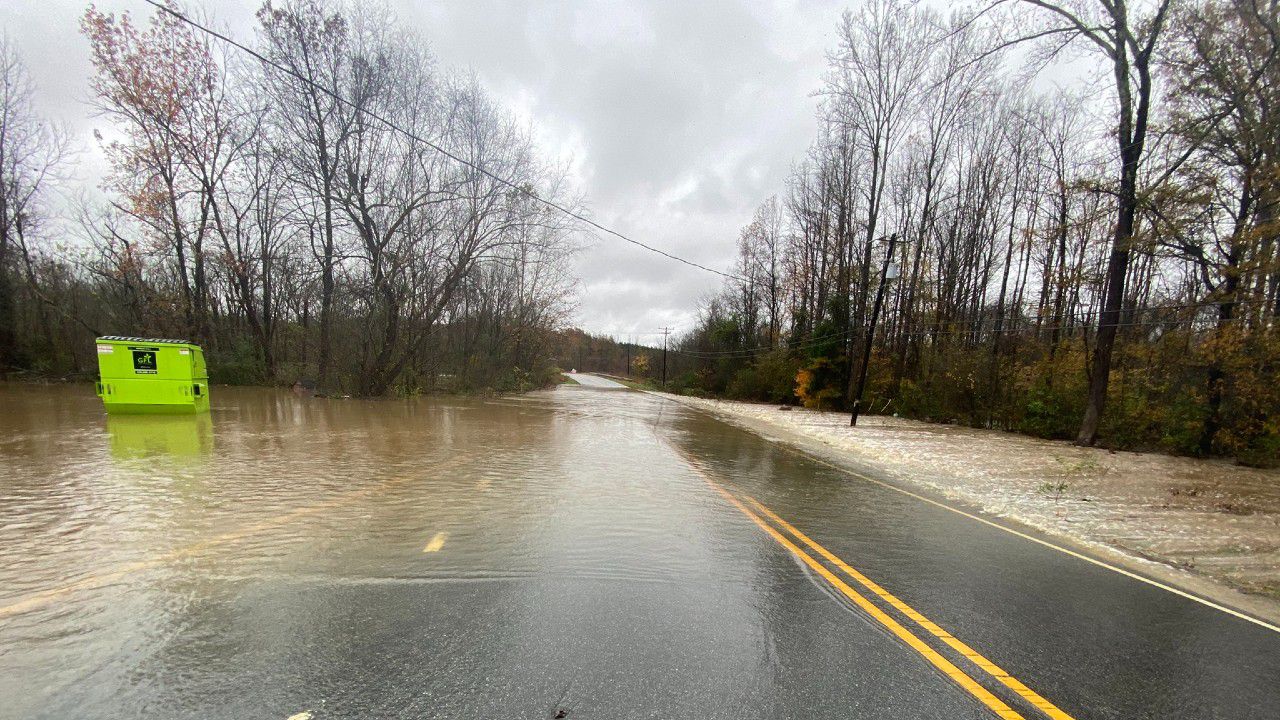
{"x":490,"y":558}
{"x":124,"y":536}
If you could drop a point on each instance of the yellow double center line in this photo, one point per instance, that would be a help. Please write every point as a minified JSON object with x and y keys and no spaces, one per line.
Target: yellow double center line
{"x":948,"y":668}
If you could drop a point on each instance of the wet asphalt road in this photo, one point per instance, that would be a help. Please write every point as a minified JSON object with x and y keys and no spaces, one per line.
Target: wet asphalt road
{"x":595,"y":381}
{"x":596,"y":554}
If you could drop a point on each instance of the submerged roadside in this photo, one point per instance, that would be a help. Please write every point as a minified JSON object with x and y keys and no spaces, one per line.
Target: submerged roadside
{"x":1204,"y":526}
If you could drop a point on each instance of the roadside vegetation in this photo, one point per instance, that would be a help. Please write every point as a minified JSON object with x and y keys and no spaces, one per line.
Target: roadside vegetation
{"x":1095,"y":264}
{"x":260,"y":212}
{"x":1099,"y":266}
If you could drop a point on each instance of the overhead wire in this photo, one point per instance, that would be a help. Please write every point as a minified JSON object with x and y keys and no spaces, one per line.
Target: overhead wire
{"x":534,"y":196}
{"x":523,"y":190}
{"x":746,"y":352}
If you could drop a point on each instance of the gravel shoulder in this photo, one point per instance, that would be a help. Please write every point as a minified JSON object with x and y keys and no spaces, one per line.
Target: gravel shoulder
{"x":1208,"y":527}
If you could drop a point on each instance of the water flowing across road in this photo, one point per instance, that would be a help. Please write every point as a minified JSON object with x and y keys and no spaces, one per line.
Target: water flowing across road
{"x":595,"y":381}
{"x":596,"y":554}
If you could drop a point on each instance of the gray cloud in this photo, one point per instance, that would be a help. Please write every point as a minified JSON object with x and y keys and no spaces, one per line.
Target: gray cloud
{"x":681,"y":118}
{"x":676,"y":118}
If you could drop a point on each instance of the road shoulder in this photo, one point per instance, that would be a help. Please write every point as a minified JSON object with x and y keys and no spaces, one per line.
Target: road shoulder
{"x":1175,"y":521}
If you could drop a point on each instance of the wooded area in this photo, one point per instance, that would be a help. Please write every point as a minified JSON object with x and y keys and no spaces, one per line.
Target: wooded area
{"x":1098,"y":266}
{"x":284,"y":212}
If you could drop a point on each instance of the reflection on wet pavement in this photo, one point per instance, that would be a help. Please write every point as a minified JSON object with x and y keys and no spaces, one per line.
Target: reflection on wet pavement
{"x":469,"y":557}
{"x":509,"y":557}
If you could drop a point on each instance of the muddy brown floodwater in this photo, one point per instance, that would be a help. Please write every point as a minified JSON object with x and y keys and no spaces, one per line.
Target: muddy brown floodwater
{"x":576,"y":552}
{"x":1209,"y":518}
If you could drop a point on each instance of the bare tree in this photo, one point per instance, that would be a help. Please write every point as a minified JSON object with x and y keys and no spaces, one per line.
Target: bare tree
{"x":1128,"y":41}
{"x":308,"y":39}
{"x":31,"y":151}
{"x":877,"y":81}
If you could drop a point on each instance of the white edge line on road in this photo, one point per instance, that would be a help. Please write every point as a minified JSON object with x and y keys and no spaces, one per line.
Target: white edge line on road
{"x":1100,"y":563}
{"x":1059,"y":548}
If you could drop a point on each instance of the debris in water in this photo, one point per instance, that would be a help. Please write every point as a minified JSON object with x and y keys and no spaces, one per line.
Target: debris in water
{"x":1149,"y":506}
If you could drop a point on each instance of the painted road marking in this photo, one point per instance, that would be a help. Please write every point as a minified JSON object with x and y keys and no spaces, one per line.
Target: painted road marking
{"x":956,"y":644}
{"x":45,"y":597}
{"x":437,"y":542}
{"x":947,"y":668}
{"x":304,"y":715}
{"x":1080,"y":556}
{"x":1046,"y":543}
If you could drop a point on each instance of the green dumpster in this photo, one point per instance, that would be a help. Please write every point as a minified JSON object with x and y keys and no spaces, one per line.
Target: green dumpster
{"x":151,"y":375}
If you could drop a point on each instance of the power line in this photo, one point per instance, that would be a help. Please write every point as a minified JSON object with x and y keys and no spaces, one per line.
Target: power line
{"x":1082,"y":317}
{"x":527,"y":192}
{"x":613,"y":334}
{"x":745,"y":352}
{"x":1031,"y":327}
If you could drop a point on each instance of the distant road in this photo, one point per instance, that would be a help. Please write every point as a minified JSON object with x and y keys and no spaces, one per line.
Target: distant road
{"x":595,"y":381}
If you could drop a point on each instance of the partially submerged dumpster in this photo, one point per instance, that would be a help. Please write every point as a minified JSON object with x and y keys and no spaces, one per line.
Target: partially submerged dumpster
{"x":151,"y":375}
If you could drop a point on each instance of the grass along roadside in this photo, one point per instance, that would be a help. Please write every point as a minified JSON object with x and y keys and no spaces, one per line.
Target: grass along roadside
{"x":633,"y":383}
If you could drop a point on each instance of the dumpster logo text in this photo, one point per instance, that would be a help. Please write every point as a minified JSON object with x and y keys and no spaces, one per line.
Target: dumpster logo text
{"x":144,"y":362}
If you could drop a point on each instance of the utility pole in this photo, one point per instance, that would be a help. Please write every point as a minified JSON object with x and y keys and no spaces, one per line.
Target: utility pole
{"x":630,"y":342}
{"x":665,"y":331}
{"x":871,"y":331}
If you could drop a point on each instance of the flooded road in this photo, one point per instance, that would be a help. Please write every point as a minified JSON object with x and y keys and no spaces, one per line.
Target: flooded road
{"x":576,"y":553}
{"x":594,"y":381}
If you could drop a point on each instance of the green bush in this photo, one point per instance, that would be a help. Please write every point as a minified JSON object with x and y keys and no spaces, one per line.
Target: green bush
{"x":1263,"y":451}
{"x":240,"y":364}
{"x":922,"y":402}
{"x":771,"y":378}
{"x":1047,"y":414}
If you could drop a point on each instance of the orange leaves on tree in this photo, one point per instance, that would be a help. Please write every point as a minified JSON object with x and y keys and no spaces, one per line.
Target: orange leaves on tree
{"x":160,"y":83}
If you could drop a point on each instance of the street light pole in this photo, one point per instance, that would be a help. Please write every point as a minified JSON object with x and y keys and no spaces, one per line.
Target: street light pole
{"x":871,"y":332}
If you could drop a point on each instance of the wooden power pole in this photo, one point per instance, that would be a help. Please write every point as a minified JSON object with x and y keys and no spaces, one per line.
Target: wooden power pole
{"x":665,"y":331}
{"x":871,"y":332}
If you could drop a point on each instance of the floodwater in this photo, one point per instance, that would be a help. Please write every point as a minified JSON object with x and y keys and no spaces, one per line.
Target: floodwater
{"x":564,"y":551}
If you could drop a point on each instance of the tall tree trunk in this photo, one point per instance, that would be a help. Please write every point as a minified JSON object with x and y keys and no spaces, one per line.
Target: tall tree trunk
{"x":326,"y":287}
{"x":1113,"y":299}
{"x":1228,"y":299}
{"x":1131,"y":134}
{"x":8,"y":340}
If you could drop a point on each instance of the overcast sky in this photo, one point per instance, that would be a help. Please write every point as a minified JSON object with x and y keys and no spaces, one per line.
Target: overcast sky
{"x":676,"y":118}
